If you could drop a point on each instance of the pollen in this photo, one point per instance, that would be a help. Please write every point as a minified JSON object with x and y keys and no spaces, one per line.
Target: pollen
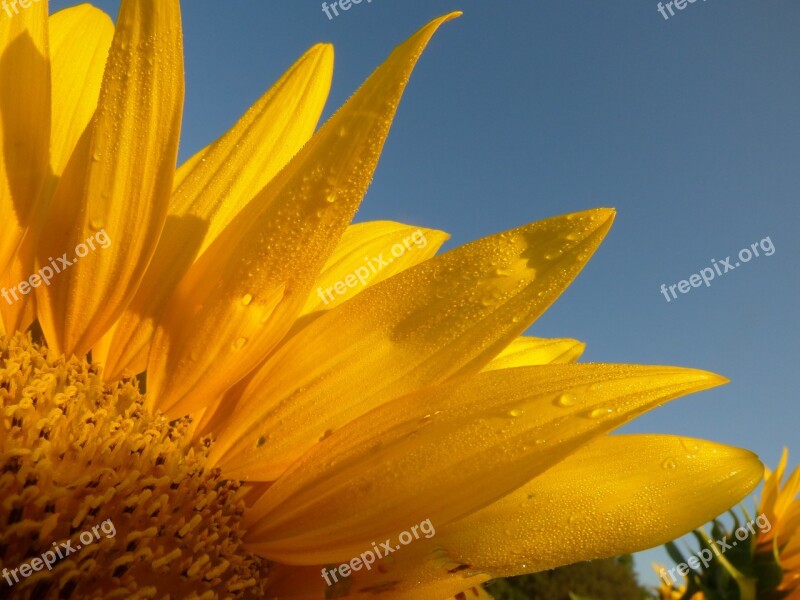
{"x":100,"y":499}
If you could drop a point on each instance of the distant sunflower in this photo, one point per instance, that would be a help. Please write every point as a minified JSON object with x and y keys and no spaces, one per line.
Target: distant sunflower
{"x":312,"y":387}
{"x":766,"y":567}
{"x":781,"y":543}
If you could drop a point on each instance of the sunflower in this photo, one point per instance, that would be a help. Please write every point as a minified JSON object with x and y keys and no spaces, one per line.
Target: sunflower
{"x":766,"y":567}
{"x":781,"y":542}
{"x":213,"y":385}
{"x":674,"y":590}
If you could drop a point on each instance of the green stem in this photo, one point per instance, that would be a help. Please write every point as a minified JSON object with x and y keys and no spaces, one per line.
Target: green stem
{"x":747,"y":586}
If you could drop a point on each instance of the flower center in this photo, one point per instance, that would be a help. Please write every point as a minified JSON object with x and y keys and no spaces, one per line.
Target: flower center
{"x":99,"y":499}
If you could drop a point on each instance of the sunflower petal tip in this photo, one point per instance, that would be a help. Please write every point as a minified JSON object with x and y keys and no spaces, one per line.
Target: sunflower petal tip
{"x":606,"y":215}
{"x":322,"y":48}
{"x":444,"y":18}
{"x":708,"y":379}
{"x":717,"y":379}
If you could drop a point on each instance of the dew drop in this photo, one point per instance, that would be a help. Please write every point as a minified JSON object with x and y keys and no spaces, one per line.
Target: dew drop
{"x":600,"y":412}
{"x":514,"y":412}
{"x":567,"y":399}
{"x":239,"y":343}
{"x":96,"y":156}
{"x":669,"y":465}
{"x":690,"y":446}
{"x":261,"y":441}
{"x":247,"y":299}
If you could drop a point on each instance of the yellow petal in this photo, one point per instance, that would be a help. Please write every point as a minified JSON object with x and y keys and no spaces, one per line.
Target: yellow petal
{"x":24,"y":123}
{"x":529,"y":351}
{"x":80,"y":37}
{"x":772,"y":490}
{"x":216,"y":184}
{"x":369,"y":253}
{"x":417,"y":571}
{"x":482,"y":436}
{"x":189,"y":166}
{"x":447,"y":316}
{"x":241,"y":297}
{"x":117,"y":184}
{"x":79,"y":40}
{"x":616,"y":495}
{"x":362,"y":245}
{"x":18,"y":310}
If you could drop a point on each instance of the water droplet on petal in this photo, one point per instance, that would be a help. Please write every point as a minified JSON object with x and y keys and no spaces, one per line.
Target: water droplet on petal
{"x":239,"y":343}
{"x":514,"y":412}
{"x":690,"y":446}
{"x":554,"y":254}
{"x":599,"y":412}
{"x":567,"y":399}
{"x":247,"y":299}
{"x":669,"y":465}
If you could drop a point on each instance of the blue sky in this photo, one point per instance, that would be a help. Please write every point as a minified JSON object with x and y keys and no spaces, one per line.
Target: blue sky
{"x":518,"y":111}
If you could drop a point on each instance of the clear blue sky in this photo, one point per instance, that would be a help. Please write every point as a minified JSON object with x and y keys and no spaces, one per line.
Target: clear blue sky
{"x":689,"y":127}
